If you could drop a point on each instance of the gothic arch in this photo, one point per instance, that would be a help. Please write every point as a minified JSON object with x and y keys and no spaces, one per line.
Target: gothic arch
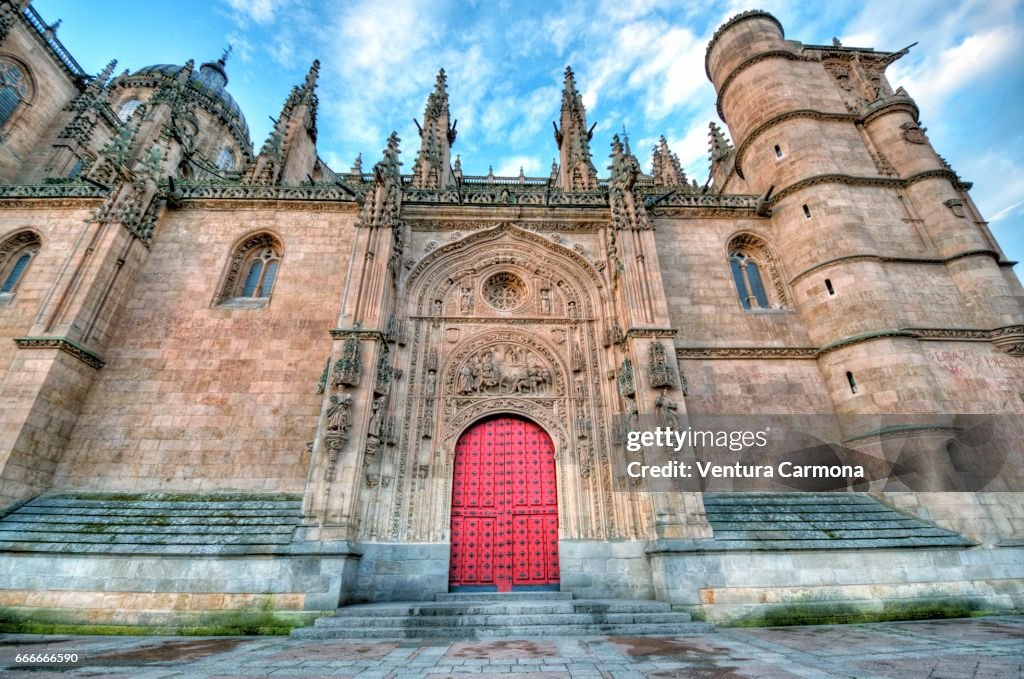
{"x":26,"y":91}
{"x":434,"y":276}
{"x":755,"y":247}
{"x":242,"y":253}
{"x":17,"y":250}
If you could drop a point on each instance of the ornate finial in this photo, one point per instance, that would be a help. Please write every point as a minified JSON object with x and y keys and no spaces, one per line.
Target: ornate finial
{"x":522,"y":176}
{"x":186,"y":71}
{"x":458,"y":163}
{"x":836,"y":43}
{"x":224,"y":56}
{"x":357,"y":166}
{"x":313,"y":74}
{"x":442,"y":81}
{"x":720,"y":146}
{"x":51,"y":31}
{"x":490,"y":173}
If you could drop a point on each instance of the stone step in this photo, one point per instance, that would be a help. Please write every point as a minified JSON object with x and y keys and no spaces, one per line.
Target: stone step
{"x":666,"y":629}
{"x":594,"y":607}
{"x":502,"y":596}
{"x":97,"y":527}
{"x":503,"y":620}
{"x":787,"y":498}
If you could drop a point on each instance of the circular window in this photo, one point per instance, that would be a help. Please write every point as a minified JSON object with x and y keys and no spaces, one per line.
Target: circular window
{"x":504,"y":291}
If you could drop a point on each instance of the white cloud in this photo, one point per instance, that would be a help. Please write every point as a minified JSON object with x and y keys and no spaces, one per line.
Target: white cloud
{"x":260,"y":11}
{"x":978,"y":56}
{"x":509,"y":167}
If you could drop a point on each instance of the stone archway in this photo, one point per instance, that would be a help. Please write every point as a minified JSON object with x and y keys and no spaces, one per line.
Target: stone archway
{"x":504,"y":514}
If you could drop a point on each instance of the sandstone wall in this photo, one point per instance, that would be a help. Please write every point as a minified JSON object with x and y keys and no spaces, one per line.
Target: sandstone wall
{"x":204,"y":397}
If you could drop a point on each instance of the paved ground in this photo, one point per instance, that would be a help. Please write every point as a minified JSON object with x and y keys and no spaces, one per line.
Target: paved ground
{"x":949,"y":649}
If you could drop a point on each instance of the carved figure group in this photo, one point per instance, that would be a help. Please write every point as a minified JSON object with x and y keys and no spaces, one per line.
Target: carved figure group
{"x":482,"y":375}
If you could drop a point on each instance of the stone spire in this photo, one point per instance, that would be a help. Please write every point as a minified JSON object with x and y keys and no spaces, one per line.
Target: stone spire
{"x":576,"y":170}
{"x":668,"y":171}
{"x":289,"y":154}
{"x":627,"y":212}
{"x":84,"y":108}
{"x":432,"y":168}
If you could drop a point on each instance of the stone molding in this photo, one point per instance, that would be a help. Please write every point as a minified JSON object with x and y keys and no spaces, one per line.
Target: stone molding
{"x":732,"y":21}
{"x":61,"y":344}
{"x":745,"y":352}
{"x":896,"y":260}
{"x":1008,"y":339}
{"x":854,"y":180}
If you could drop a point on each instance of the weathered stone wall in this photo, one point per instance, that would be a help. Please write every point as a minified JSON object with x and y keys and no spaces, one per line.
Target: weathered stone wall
{"x":759,"y":588}
{"x":205,"y":397}
{"x":223,"y":595}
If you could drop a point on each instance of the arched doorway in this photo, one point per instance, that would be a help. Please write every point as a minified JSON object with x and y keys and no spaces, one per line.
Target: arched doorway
{"x":504,"y":508}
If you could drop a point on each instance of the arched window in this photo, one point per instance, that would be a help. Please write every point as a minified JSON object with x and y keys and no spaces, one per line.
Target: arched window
{"x":757,"y":274}
{"x":747,"y":277}
{"x":13,"y":89}
{"x":16,"y":253}
{"x":252,"y":270}
{"x":127,"y":109}
{"x":226,"y":159}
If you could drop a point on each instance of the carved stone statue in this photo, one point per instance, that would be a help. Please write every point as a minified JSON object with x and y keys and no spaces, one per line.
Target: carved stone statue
{"x":339,"y":415}
{"x":466,"y":382}
{"x":667,"y":411}
{"x":376,"y":418}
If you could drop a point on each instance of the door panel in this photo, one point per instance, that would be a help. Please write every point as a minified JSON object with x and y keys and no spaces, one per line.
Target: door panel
{"x":504,"y":507}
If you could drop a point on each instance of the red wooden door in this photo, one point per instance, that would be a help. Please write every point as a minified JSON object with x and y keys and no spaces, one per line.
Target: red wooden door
{"x":504,"y":507}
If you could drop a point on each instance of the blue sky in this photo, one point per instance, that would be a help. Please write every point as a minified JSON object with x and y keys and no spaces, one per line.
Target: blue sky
{"x":639,"y":65}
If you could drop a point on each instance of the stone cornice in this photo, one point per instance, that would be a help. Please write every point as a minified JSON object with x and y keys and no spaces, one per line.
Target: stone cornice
{"x":459,"y":225}
{"x":898,"y":260}
{"x":342,"y":333}
{"x":866,"y":337}
{"x":745,"y":352}
{"x":732,"y":21}
{"x":1006,"y":339}
{"x":902,"y":432}
{"x":854,"y":180}
{"x":61,"y":344}
{"x":651,"y":332}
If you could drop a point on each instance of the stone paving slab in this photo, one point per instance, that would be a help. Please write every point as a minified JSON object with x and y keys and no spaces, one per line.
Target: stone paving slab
{"x":949,"y":649}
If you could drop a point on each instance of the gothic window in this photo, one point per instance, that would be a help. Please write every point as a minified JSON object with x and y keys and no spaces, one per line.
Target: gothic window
{"x":13,"y":90}
{"x":16,"y":253}
{"x":225,"y":160}
{"x":756,"y":274}
{"x":252,"y":270}
{"x":747,"y":276}
{"x":127,"y":109}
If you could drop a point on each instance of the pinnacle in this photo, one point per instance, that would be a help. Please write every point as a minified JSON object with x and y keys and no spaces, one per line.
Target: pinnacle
{"x":442,"y":81}
{"x":570,"y":82}
{"x":313,"y":74}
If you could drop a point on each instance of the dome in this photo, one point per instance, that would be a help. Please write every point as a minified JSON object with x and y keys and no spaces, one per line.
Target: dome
{"x":209,"y":82}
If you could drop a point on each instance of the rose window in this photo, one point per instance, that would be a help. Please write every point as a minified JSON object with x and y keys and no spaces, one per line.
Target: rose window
{"x":504,"y":291}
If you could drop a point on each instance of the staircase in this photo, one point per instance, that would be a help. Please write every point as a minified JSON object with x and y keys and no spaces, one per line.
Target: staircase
{"x":493,"y":615}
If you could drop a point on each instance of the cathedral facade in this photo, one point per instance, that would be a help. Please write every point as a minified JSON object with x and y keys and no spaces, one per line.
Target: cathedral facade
{"x":236,"y":380}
